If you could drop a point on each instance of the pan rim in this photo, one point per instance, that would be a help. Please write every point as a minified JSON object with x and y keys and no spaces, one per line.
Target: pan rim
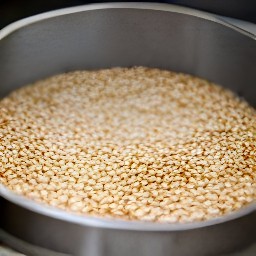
{"x":11,"y":28}
{"x":114,"y":223}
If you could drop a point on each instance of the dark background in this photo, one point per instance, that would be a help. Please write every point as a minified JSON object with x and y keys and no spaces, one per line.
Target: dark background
{"x":12,"y":10}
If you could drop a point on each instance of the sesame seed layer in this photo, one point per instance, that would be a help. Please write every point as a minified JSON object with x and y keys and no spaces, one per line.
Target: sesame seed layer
{"x":131,"y":143}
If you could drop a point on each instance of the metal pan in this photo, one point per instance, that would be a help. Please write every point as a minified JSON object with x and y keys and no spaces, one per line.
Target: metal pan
{"x":124,"y":34}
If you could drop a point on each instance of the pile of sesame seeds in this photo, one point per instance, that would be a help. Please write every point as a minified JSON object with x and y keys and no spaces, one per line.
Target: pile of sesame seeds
{"x":131,"y":143}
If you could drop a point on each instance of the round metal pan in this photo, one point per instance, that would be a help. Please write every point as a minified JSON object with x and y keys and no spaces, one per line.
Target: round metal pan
{"x":124,"y":34}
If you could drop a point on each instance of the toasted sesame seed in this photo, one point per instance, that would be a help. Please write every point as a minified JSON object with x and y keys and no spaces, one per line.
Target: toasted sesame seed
{"x":131,"y":143}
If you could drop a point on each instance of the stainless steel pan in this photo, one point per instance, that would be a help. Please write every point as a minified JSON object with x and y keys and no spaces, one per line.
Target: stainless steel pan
{"x":122,"y":34}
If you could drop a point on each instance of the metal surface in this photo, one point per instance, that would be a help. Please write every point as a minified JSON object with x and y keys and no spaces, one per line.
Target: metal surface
{"x":241,"y":9}
{"x":107,"y":35}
